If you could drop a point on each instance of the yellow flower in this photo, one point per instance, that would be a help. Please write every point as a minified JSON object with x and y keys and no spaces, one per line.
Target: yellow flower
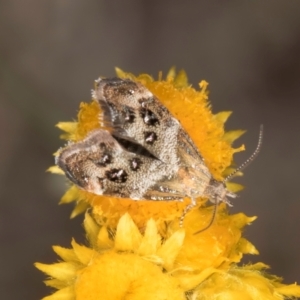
{"x":136,"y":249}
{"x":127,"y":264}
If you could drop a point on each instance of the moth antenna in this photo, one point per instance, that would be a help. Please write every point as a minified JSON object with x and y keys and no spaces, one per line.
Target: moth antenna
{"x":241,"y":167}
{"x":251,"y":158}
{"x":213,"y":217}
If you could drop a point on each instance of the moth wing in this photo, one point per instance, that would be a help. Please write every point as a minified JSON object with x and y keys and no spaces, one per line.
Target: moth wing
{"x":100,"y":165}
{"x":85,"y":162}
{"x":132,"y":112}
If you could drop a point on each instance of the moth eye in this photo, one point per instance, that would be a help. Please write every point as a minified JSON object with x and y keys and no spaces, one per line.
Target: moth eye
{"x":116,"y":175}
{"x":150,"y":137}
{"x":149,"y":117}
{"x":135,"y":164}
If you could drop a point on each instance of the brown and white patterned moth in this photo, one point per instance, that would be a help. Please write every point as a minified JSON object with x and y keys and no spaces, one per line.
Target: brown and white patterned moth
{"x":143,"y":154}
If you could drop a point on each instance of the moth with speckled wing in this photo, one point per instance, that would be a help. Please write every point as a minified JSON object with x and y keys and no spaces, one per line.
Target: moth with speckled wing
{"x":143,"y":153}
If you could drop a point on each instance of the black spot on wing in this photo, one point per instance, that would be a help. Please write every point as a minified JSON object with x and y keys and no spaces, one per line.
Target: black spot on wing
{"x":135,"y":164}
{"x":105,"y":160}
{"x":128,"y":115}
{"x":116,"y":175}
{"x":150,"y":137}
{"x":149,"y":117}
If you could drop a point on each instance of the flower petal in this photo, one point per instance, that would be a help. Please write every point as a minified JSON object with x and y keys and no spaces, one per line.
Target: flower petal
{"x":170,"y":249}
{"x":103,"y":239}
{"x":70,"y":195}
{"x":62,"y":271}
{"x":55,"y":283}
{"x":69,"y":127}
{"x":128,"y":237}
{"x":56,"y":170}
{"x":66,"y":293}
{"x":291,"y":290}
{"x":65,"y":254}
{"x":81,"y":206}
{"x":150,"y":241}
{"x":246,"y":247}
{"x":222,"y":116}
{"x":231,"y":136}
{"x":91,"y":229}
{"x":83,"y":253}
{"x":234,"y":187}
{"x":181,"y":79}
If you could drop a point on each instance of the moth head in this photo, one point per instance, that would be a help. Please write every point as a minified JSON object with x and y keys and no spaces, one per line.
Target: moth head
{"x":217,"y":192}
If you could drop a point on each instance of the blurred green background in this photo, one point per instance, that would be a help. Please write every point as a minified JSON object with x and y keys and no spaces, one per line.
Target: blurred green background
{"x":50,"y":53}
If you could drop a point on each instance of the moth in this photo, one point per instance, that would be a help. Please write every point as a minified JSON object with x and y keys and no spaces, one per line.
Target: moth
{"x":141,"y":152}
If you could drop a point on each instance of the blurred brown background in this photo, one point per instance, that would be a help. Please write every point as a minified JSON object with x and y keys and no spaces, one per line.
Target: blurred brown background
{"x":50,"y":53}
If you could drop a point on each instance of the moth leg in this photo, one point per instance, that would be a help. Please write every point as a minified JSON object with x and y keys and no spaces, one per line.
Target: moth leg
{"x":213,"y":217}
{"x":186,"y":210}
